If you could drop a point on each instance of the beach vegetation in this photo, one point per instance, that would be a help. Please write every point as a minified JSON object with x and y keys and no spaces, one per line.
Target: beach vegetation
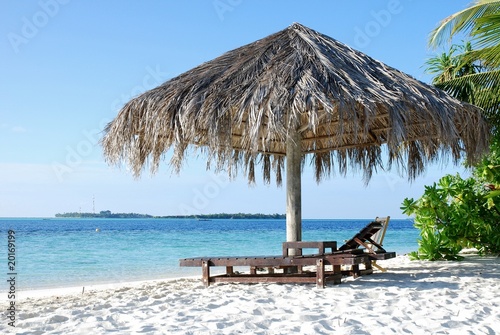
{"x":457,"y":213}
{"x":453,"y":214}
{"x":471,"y":72}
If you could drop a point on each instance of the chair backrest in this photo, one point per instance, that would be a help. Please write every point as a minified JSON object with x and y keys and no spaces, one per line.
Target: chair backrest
{"x":370,"y":236}
{"x":378,"y":237}
{"x":364,"y":236}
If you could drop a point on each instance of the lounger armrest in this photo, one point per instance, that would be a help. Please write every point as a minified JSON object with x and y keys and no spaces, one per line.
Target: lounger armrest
{"x":382,"y":256}
{"x":321,"y":246}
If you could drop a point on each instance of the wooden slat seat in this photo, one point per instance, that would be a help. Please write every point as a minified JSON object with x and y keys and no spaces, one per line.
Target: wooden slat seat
{"x":264,"y":261}
{"x":319,"y":275}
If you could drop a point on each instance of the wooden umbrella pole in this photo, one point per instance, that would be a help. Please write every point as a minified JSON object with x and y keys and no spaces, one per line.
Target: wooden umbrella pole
{"x":293,"y":188}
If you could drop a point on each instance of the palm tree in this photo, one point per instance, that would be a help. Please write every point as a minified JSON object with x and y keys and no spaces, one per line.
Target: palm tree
{"x":474,"y":75}
{"x":443,"y":66}
{"x":448,"y":67}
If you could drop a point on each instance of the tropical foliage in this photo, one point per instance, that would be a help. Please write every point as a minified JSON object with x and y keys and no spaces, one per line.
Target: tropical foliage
{"x":473,"y":75}
{"x":457,"y":213}
{"x":453,"y":214}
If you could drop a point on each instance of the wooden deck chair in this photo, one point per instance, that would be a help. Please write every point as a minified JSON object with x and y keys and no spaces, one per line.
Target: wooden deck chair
{"x":370,"y":238}
{"x":365,"y":238}
{"x":378,"y":238}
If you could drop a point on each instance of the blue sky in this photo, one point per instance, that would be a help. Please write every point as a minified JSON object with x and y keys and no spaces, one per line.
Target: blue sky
{"x":67,"y":66}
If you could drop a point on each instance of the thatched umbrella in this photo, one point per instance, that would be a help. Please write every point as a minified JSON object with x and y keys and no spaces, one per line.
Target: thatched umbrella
{"x":295,"y":94}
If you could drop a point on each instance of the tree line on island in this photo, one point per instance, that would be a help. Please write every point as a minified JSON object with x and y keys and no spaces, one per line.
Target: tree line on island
{"x":109,"y":215}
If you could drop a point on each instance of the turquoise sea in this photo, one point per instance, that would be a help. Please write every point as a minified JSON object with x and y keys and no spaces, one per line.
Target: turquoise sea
{"x":70,"y":252}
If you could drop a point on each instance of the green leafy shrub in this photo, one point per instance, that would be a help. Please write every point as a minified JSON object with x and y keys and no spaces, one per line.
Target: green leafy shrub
{"x":454,"y":214}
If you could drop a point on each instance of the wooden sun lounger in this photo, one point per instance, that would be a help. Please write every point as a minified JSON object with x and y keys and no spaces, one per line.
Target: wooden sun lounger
{"x":370,"y":238}
{"x":364,"y":248}
{"x":320,"y":276}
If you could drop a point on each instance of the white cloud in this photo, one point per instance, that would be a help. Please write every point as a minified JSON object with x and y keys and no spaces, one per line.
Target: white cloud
{"x":13,"y":173}
{"x":13,"y":129}
{"x":18,"y":129}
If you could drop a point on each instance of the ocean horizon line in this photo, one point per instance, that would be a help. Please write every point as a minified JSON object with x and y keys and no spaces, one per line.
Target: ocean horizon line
{"x":159,"y":217}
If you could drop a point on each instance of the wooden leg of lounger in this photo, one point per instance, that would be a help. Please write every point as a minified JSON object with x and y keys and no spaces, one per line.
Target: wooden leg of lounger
{"x":368,"y":269}
{"x":206,"y":273}
{"x":320,"y":273}
{"x":355,"y":271}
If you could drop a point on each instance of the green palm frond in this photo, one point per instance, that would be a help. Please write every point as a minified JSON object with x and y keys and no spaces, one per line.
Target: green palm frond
{"x":448,"y":65}
{"x":478,"y":56}
{"x":474,"y":74}
{"x":481,"y":89}
{"x":465,"y":20}
{"x":443,"y":66}
{"x":487,"y":38}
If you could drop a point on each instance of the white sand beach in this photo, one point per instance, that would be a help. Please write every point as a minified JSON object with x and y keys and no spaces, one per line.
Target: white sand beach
{"x":413,"y":297}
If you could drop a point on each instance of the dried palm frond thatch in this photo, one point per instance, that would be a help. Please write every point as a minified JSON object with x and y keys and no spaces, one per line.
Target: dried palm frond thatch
{"x":337,"y":104}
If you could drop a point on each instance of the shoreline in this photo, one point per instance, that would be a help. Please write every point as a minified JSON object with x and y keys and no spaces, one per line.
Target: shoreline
{"x":83,"y":289}
{"x":412,"y":297}
{"x":87,"y":286}
{"x":76,"y":288}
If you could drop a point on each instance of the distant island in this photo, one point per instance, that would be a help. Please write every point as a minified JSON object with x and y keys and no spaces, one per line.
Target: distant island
{"x":104,"y":215}
{"x":226,"y":216}
{"x":110,"y":215}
